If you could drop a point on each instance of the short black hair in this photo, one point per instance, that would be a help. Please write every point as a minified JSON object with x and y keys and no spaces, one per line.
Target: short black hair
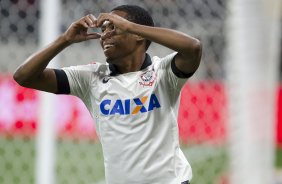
{"x":137,"y":15}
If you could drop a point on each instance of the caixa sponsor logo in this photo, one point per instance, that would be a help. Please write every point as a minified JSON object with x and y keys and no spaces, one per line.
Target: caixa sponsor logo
{"x":129,"y":106}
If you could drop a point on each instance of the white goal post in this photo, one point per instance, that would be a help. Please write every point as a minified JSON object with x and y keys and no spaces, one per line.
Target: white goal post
{"x":45,"y":140}
{"x":253,"y":34}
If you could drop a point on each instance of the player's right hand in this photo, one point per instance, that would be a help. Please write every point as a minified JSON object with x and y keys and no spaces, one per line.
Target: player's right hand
{"x":78,"y":30}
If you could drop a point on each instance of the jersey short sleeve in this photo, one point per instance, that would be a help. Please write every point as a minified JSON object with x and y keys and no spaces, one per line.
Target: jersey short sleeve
{"x":80,"y":79}
{"x":175,"y":78}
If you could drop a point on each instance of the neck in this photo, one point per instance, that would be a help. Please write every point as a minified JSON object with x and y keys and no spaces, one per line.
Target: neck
{"x":130,"y":63}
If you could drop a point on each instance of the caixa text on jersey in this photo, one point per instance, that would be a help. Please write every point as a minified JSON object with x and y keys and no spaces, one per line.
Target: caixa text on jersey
{"x":129,"y":106}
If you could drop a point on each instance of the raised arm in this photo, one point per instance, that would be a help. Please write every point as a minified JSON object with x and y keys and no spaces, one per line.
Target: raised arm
{"x":189,"y":49}
{"x":33,"y":72}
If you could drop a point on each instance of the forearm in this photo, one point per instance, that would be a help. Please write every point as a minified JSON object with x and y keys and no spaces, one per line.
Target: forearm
{"x":189,"y":49}
{"x":175,"y":40}
{"x":36,"y":63}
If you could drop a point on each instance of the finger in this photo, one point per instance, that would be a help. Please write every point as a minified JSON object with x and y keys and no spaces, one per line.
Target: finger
{"x":88,"y":21}
{"x":93,"y":36}
{"x":109,"y":34}
{"x":82,"y":23}
{"x":102,"y":18}
{"x":93,"y":19}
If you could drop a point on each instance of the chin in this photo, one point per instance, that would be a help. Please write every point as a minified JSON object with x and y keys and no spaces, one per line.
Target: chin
{"x":109,"y":60}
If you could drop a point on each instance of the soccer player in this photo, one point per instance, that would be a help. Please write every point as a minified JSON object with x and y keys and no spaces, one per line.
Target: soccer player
{"x":133,"y":97}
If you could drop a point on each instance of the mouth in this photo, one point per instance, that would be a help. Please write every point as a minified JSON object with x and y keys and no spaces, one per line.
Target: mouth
{"x":107,"y":46}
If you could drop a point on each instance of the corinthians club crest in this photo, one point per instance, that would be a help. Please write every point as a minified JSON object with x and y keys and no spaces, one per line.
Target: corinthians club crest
{"x":147,"y":78}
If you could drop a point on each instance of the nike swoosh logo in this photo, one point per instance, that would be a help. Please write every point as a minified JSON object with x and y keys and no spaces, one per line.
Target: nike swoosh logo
{"x":106,"y":79}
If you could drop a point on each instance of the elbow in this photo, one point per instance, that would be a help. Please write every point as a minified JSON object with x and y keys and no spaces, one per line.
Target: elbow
{"x":192,"y":49}
{"x":19,"y":78}
{"x":192,"y":55}
{"x":197,"y":48}
{"x":197,"y":51}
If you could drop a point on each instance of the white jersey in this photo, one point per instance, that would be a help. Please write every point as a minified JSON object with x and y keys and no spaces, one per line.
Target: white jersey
{"x":136,"y":120}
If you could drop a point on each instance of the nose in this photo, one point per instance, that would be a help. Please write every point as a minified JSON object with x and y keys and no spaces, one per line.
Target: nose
{"x":107,"y":34}
{"x":104,"y":35}
{"x":108,"y":30}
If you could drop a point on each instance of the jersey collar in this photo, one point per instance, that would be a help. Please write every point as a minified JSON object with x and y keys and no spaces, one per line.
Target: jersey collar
{"x":147,"y":62}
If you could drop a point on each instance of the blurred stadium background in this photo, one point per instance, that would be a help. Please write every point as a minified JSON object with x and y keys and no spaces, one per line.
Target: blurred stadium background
{"x":230,"y":118}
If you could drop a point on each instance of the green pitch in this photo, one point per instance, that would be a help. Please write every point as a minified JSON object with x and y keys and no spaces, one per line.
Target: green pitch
{"x":279,"y":158}
{"x":81,"y":161}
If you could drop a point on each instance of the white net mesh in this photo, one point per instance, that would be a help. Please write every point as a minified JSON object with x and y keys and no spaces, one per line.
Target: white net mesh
{"x":202,"y":116}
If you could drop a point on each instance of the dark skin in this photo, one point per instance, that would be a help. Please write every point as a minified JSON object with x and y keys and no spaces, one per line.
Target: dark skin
{"x":126,"y":51}
{"x":123,"y":43}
